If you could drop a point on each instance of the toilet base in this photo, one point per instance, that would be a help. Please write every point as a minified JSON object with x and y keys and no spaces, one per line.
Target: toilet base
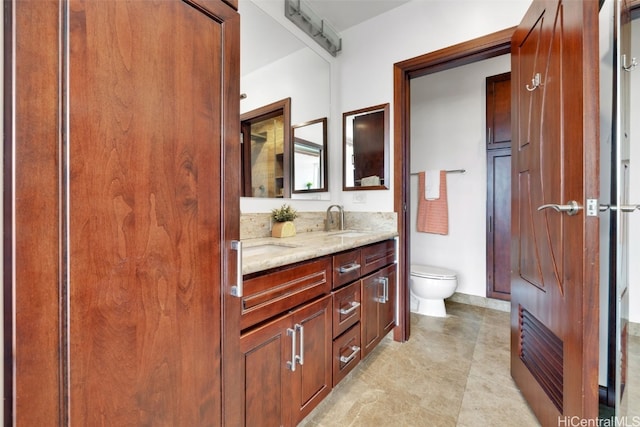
{"x":428,"y":307}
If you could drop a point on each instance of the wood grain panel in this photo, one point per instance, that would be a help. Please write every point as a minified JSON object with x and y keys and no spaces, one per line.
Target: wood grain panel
{"x":145,"y":123}
{"x":123,"y":120}
{"x":34,"y":212}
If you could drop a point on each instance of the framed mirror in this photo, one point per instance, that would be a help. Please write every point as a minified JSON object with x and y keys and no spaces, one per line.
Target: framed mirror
{"x":309,"y":156}
{"x":275,"y":64}
{"x":365,"y":148}
{"x":266,"y":150}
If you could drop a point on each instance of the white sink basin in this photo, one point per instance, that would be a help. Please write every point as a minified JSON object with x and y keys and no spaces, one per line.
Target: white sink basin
{"x":267,"y":248}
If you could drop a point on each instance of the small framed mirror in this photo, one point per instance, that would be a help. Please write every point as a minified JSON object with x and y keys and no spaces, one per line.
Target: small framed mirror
{"x":365,"y":148}
{"x":266,"y":149}
{"x":310,"y":156}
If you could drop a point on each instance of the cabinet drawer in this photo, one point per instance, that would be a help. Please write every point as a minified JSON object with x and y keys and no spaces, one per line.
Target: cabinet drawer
{"x":377,"y":255}
{"x":346,"y":353}
{"x":346,"y":308}
{"x":346,"y":267}
{"x":271,"y":293}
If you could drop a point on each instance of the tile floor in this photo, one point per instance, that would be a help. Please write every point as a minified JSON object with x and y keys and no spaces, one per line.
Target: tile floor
{"x":454,"y":371}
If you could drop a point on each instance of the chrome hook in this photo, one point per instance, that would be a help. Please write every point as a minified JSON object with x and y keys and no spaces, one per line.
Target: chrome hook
{"x":536,"y":82}
{"x":630,"y":67}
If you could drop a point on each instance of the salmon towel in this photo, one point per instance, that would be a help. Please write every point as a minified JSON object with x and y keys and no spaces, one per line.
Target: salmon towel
{"x":433,"y":215}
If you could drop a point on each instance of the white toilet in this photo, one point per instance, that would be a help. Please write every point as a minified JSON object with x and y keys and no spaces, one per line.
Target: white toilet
{"x":429,"y":287}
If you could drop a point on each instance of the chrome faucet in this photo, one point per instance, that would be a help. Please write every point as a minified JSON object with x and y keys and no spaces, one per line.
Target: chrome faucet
{"x":329,"y":220}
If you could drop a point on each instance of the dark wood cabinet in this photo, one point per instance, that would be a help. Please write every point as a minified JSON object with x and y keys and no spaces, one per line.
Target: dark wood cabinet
{"x":499,"y":223}
{"x":286,"y":365}
{"x":123,"y":118}
{"x":498,"y":111}
{"x":378,"y":307}
{"x":498,"y":105}
{"x":301,"y":335}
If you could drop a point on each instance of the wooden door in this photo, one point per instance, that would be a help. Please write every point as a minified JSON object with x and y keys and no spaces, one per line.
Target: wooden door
{"x":554,"y":315}
{"x":312,"y":378}
{"x":498,"y":111}
{"x":378,"y":307}
{"x":499,"y":223}
{"x":370,"y":321}
{"x":388,"y":306}
{"x":265,"y":374}
{"x":123,"y":124}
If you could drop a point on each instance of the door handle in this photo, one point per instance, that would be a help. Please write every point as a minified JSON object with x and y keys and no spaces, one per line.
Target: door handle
{"x":237,"y":290}
{"x":571,"y":208}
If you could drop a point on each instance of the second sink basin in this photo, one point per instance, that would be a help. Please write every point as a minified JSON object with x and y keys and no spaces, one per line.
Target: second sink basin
{"x":267,"y":248}
{"x":351,"y":233}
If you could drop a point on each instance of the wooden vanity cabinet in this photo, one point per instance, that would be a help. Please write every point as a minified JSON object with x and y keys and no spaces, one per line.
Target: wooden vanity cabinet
{"x":346,"y":330}
{"x":363,"y":311}
{"x":286,"y":365}
{"x":269,"y":294}
{"x":303,"y":327}
{"x":378,"y":307}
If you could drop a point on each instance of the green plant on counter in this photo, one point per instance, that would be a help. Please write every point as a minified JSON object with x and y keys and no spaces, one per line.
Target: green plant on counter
{"x":284,"y":213}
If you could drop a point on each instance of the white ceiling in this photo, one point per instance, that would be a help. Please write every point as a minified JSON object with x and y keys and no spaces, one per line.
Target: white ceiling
{"x":344,"y":14}
{"x":263,"y":39}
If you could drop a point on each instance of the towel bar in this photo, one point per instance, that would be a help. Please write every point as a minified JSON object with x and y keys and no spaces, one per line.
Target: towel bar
{"x":447,"y":171}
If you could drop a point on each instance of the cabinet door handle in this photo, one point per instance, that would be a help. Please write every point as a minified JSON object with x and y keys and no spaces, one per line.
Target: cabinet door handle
{"x":292,"y":363}
{"x":300,"y":358}
{"x":348,"y":268}
{"x":385,"y":290}
{"x":237,"y":290}
{"x":354,"y":305}
{"x":354,"y":351}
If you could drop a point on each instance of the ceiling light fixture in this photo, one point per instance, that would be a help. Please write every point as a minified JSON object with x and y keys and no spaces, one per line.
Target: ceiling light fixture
{"x":306,"y":19}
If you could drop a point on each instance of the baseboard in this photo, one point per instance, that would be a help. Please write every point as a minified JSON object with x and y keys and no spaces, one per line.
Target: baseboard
{"x":491,"y":303}
{"x":495,"y":304}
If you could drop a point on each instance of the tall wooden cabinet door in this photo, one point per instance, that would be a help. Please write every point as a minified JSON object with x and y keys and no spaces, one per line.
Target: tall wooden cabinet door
{"x":123,"y":123}
{"x":498,"y":111}
{"x":388,"y":301}
{"x":266,"y":374}
{"x":369,"y":321}
{"x":312,"y":381}
{"x":499,"y":223}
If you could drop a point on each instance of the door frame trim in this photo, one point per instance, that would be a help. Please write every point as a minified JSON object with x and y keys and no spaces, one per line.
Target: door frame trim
{"x":489,"y":46}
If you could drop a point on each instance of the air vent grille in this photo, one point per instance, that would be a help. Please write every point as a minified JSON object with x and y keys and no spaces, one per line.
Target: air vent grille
{"x":542,"y":353}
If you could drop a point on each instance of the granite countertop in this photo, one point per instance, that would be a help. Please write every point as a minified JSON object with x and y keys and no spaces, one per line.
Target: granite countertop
{"x":268,"y":252}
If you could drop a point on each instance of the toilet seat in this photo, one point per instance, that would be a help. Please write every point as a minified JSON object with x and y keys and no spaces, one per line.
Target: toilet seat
{"x":431,"y":272}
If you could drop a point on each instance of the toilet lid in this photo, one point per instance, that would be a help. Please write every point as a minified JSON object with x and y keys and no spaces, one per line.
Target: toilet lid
{"x":431,"y":272}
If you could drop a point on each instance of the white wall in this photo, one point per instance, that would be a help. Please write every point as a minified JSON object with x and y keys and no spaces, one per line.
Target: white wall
{"x":362,"y":74}
{"x":309,"y":72}
{"x":448,"y":132}
{"x":370,"y":49}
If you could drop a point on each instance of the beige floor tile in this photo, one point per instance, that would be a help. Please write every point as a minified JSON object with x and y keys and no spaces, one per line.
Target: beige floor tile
{"x":454,"y":371}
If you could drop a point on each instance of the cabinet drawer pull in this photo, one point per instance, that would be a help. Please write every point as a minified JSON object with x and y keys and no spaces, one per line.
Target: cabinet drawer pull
{"x":348,"y":268}
{"x":354,"y":350}
{"x":292,"y":363}
{"x":354,"y":305}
